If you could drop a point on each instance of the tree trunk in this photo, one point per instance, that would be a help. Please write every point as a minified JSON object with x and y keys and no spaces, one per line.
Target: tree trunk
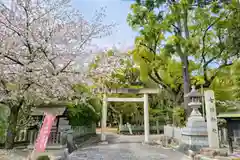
{"x":11,"y":131}
{"x":186,"y":83}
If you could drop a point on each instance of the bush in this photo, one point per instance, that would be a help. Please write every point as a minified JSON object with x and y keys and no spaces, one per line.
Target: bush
{"x":82,"y":115}
{"x":3,"y":122}
{"x":179,"y":117}
{"x":44,"y":157}
{"x":85,"y":107}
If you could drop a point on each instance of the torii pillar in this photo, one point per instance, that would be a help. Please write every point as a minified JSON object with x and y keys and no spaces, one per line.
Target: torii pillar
{"x":104,"y":118}
{"x":146,"y":118}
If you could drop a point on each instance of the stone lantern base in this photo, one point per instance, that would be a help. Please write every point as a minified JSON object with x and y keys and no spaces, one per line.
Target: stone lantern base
{"x":194,"y":135}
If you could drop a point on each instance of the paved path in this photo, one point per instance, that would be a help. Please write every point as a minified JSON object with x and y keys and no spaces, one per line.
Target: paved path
{"x":126,"y":148}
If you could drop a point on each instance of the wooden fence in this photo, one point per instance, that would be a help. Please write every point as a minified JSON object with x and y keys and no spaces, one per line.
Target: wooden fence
{"x":55,"y":138}
{"x":22,"y":136}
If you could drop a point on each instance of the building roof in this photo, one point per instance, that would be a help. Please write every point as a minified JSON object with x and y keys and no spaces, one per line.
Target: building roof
{"x":56,"y":109}
{"x":235,"y":114}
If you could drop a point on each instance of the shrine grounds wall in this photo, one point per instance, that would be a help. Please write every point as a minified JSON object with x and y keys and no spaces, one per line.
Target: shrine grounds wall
{"x":174,"y":132}
{"x":140,"y":129}
{"x":80,"y":131}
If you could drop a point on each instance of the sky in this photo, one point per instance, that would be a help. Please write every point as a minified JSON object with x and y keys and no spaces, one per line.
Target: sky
{"x":116,"y":12}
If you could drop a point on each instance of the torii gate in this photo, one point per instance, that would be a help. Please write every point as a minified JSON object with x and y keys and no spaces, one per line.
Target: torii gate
{"x":144,"y":99}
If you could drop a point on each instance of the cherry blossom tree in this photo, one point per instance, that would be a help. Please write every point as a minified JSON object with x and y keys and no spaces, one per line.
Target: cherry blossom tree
{"x":106,"y":65}
{"x":40,"y":41}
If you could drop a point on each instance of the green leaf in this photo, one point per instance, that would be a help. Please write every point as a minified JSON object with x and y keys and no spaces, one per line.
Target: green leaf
{"x":143,"y":71}
{"x":12,"y":86}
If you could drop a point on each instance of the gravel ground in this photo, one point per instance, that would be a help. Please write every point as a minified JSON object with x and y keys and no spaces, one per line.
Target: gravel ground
{"x":120,"y":147}
{"x":126,"y":148}
{"x":10,"y":155}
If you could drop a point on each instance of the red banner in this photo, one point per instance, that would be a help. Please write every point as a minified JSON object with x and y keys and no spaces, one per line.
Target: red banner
{"x":45,"y":130}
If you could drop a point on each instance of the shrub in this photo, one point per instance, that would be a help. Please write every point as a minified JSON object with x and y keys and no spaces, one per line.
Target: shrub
{"x":44,"y":157}
{"x":179,"y":117}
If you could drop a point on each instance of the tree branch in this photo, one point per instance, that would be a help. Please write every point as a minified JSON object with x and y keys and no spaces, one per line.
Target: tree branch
{"x":64,"y":67}
{"x":208,"y":82}
{"x":14,"y":60}
{"x":45,"y":54}
{"x":113,"y":109}
{"x":205,"y":65}
{"x":176,"y":28}
{"x":9,"y":27}
{"x":185,"y":23}
{"x":150,"y":48}
{"x":204,"y":37}
{"x":4,"y":83}
{"x":157,"y":81}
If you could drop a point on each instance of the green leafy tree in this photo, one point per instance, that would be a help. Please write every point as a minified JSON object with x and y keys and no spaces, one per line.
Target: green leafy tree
{"x":152,"y":27}
{"x":85,"y":107}
{"x":203,"y":33}
{"x":160,"y":107}
{"x":236,"y":80}
{"x":226,"y":88}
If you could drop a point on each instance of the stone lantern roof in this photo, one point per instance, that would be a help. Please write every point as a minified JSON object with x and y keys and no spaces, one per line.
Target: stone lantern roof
{"x":193,"y":93}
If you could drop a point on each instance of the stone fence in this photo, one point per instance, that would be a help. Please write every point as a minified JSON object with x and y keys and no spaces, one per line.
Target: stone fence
{"x":140,"y":128}
{"x":176,"y":132}
{"x":79,"y":131}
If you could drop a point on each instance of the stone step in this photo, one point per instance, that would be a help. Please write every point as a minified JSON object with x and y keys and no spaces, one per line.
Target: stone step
{"x":211,"y":152}
{"x":226,"y":158}
{"x":201,"y":157}
{"x":204,"y":157}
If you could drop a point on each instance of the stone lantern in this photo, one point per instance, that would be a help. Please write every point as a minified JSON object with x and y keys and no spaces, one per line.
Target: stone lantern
{"x":195,"y":134}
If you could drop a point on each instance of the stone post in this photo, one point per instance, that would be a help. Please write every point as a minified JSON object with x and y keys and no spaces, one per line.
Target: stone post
{"x":129,"y":128}
{"x":120,"y":121}
{"x":157,"y":126}
{"x":32,"y":137}
{"x":195,"y":135}
{"x":104,"y":118}
{"x":70,"y":143}
{"x":211,"y":116}
{"x":146,"y":119}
